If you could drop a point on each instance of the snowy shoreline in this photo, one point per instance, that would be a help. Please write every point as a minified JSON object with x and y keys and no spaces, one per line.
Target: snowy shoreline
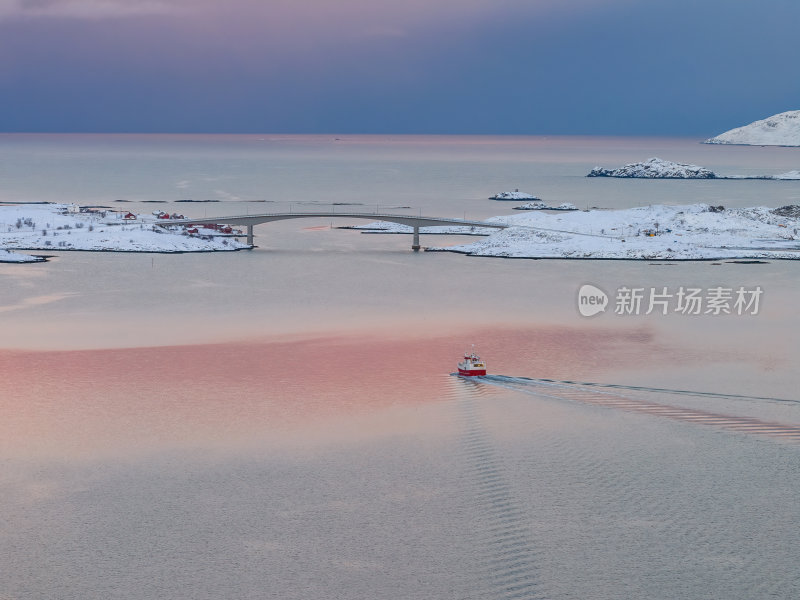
{"x":14,"y":258}
{"x":727,"y":259}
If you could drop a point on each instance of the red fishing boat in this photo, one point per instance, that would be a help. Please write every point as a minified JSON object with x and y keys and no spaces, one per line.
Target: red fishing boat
{"x":472,"y":365}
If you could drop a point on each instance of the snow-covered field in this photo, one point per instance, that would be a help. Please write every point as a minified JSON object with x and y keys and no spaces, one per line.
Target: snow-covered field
{"x":63,"y":227}
{"x":656,"y":168}
{"x":782,"y":129}
{"x":661,"y":232}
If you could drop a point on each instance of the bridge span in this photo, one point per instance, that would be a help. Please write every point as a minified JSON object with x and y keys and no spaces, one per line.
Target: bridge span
{"x":415,"y":222}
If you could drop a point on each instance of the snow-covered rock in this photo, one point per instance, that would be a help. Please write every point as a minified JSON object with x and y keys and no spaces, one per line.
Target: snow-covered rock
{"x":782,"y":129}
{"x":656,"y":168}
{"x":515,"y":195}
{"x":792,"y":210}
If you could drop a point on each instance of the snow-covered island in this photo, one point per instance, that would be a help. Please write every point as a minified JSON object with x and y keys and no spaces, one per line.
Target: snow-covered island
{"x":543,"y":206}
{"x":658,"y":232}
{"x":656,"y":168}
{"x":782,"y":129}
{"x":515,"y":195}
{"x":69,"y":227}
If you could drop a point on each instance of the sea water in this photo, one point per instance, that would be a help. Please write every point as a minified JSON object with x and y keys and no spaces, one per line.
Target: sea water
{"x":282,"y":422}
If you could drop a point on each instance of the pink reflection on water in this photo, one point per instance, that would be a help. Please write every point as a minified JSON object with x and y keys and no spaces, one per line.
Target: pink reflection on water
{"x":84,"y":402}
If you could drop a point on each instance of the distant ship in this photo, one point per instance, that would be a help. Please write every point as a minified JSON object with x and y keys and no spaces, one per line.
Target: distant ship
{"x":472,"y":365}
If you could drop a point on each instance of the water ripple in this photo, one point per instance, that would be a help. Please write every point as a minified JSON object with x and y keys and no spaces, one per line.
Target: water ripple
{"x":586,"y":395}
{"x":509,"y":569}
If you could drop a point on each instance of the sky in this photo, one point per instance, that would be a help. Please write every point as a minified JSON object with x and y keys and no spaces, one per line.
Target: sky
{"x":511,"y":67}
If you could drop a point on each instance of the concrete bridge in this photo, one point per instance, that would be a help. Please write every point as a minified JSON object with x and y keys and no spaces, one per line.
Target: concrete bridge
{"x":415,"y":222}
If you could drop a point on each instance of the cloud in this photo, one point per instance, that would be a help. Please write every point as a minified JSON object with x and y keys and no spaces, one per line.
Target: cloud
{"x":85,"y":9}
{"x":379,"y":18}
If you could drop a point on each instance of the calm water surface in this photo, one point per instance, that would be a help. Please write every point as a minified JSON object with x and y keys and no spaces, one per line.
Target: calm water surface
{"x":281,"y":423}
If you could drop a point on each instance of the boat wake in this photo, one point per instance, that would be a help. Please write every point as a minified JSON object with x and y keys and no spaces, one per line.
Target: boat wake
{"x":639,"y":388}
{"x":609,"y":396}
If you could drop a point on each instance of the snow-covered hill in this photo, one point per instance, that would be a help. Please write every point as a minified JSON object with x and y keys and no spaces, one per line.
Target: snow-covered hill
{"x":782,"y":129}
{"x":656,"y":168}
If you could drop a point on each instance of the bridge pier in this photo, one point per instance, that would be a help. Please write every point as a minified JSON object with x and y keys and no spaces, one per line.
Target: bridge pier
{"x":249,"y":235}
{"x":415,"y":241}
